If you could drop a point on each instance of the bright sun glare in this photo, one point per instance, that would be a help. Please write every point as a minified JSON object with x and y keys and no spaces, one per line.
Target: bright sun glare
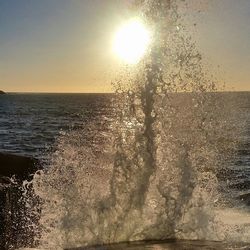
{"x":131,"y":41}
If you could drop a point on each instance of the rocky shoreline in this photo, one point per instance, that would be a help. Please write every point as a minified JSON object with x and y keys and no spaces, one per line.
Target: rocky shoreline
{"x":12,"y":209}
{"x":19,"y":166}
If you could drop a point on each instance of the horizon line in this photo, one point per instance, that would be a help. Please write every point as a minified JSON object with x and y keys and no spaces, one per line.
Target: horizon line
{"x":44,"y":92}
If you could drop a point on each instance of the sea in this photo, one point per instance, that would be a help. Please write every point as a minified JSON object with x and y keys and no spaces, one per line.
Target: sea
{"x":31,"y":125}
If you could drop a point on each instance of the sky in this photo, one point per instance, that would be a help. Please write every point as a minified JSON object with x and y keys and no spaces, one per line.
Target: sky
{"x":66,"y":45}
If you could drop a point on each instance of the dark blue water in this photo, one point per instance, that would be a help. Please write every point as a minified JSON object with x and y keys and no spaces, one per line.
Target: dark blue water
{"x":238,"y":179}
{"x":30,"y":123}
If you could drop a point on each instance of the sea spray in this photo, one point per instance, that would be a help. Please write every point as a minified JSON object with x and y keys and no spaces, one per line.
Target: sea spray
{"x":159,"y":179}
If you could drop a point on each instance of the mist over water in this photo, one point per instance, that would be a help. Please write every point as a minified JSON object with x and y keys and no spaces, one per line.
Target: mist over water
{"x":150,"y":173}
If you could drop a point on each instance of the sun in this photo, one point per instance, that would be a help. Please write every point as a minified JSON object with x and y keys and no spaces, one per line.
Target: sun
{"x":131,"y":41}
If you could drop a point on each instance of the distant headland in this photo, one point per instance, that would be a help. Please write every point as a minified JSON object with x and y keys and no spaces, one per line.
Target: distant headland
{"x":2,"y":92}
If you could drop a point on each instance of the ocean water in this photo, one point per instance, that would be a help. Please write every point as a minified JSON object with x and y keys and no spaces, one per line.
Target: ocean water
{"x":238,"y":176}
{"x":46,"y":126}
{"x":30,"y":123}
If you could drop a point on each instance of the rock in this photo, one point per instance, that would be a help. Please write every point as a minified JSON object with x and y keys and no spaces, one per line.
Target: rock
{"x":2,"y":92}
{"x":20,"y":166}
{"x":13,"y":211}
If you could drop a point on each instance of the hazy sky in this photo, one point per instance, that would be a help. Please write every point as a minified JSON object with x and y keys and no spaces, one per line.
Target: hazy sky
{"x":65,"y":45}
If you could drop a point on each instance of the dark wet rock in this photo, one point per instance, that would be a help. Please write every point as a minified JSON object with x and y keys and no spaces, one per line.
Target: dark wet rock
{"x":20,"y":166}
{"x":13,"y":212}
{"x":2,"y":92}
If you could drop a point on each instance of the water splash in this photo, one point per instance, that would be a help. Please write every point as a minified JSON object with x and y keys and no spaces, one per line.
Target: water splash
{"x":170,"y":139}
